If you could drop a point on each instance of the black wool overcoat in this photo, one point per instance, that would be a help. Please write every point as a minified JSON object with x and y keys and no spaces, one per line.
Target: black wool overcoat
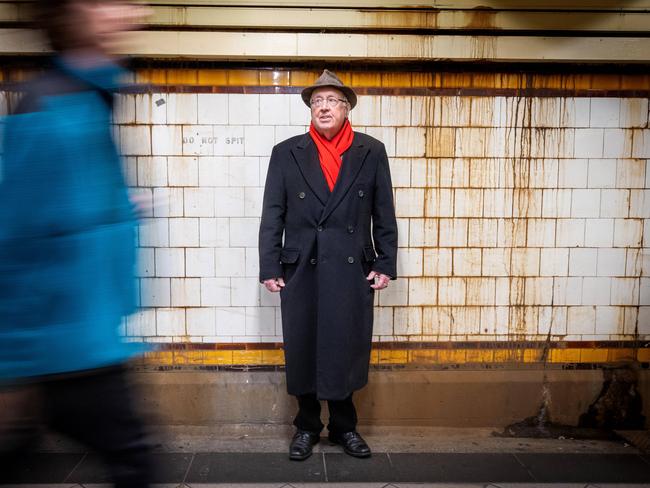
{"x":324,"y":245}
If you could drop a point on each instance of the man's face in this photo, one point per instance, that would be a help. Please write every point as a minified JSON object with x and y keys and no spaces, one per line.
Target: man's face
{"x":328,"y":119}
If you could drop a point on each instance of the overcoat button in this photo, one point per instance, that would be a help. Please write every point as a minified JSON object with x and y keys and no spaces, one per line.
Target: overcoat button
{"x":361,"y":193}
{"x":312,"y":260}
{"x":301,"y":195}
{"x":319,"y":228}
{"x":350,"y":260}
{"x":350,"y":229}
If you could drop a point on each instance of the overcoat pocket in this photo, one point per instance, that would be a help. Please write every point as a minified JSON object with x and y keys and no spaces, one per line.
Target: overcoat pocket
{"x":289,"y":255}
{"x":369,"y":254}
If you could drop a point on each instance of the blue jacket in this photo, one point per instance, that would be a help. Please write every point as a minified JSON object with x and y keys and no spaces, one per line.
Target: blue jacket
{"x":67,"y":229}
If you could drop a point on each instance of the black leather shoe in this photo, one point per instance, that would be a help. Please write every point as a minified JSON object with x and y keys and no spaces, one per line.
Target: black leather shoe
{"x":352,"y":442}
{"x":301,"y":445}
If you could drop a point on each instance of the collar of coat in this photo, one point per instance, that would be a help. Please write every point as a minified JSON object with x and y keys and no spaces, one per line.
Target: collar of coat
{"x":306,"y":157}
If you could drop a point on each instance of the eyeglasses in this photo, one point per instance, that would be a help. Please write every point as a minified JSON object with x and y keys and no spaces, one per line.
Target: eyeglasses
{"x":331,"y":102}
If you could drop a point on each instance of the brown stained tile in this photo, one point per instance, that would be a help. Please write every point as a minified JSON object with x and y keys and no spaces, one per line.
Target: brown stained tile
{"x":303,"y":78}
{"x":364,"y":79}
{"x":605,"y":82}
{"x":440,"y":142}
{"x":154,"y":76}
{"x":479,"y":355}
{"x":456,"y":80}
{"x":581,"y":82}
{"x":423,"y":80}
{"x":593,"y":355}
{"x":182,"y":76}
{"x":635,"y":82}
{"x":396,"y":80}
{"x":246,"y":357}
{"x":486,"y":80}
{"x":425,"y":356}
{"x":218,"y":358}
{"x":272,"y":357}
{"x":643,"y":355}
{"x":533,"y":355}
{"x":275,"y":78}
{"x":615,"y":355}
{"x":243,"y":77}
{"x":345,"y":76}
{"x":513,"y":81}
{"x":214,"y":77}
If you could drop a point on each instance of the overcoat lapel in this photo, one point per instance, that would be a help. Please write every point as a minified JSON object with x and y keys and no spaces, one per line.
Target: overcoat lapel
{"x":353,"y":160}
{"x":306,"y":156}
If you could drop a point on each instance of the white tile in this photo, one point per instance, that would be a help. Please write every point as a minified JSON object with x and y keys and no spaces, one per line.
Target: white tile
{"x":152,"y":171}
{"x":641,"y":143}
{"x":482,"y":232}
{"x":596,"y":291}
{"x":123,"y":110}
{"x":630,"y":173}
{"x":583,"y":262}
{"x":511,"y":232}
{"x":183,"y":171}
{"x":243,"y":109}
{"x":201,"y":322}
{"x":454,"y":173}
{"x":407,"y":321}
{"x":497,"y":203}
{"x":400,"y":172}
{"x":617,"y":143}
{"x":170,"y":262}
{"x":274,"y":109}
{"x":170,"y":322}
{"x":135,"y":140}
{"x":585,"y":203}
{"x":468,"y":202}
{"x":570,"y":232}
{"x":556,"y":203}
{"x":253,"y":198}
{"x":485,"y":111}
{"x":199,"y":202}
{"x":437,"y":321}
{"x":453,"y":232}
{"x":599,"y":232}
{"x":496,"y":262}
{"x":438,"y":202}
{"x":155,"y":292}
{"x":573,"y":173}
{"x":455,"y":111}
{"x":628,"y":232}
{"x":543,"y":173}
{"x":545,"y":112}
{"x":625,"y":291}
{"x":409,"y":262}
{"x":589,"y":143}
{"x":300,"y":113}
{"x":554,"y":262}
{"x":541,"y":233}
{"x":525,"y":262}
{"x":402,"y":232}
{"x":260,"y":321}
{"x":527,"y":203}
{"x":229,"y":202}
{"x":602,"y":173}
{"x":198,"y":140}
{"x":215,"y":292}
{"x":181,"y":108}
{"x":145,"y":262}
{"x":608,"y":320}
{"x":467,"y":262}
{"x":611,"y":262}
{"x":410,"y":142}
{"x":640,"y":204}
{"x":409,"y":202}
{"x":395,"y":294}
{"x":259,"y":140}
{"x":183,"y":232}
{"x":538,"y":291}
{"x":395,"y":110}
{"x":366,"y":113}
{"x":575,"y":112}
{"x":252,"y":262}
{"x":230,"y":261}
{"x":168,"y":202}
{"x":284,"y":132}
{"x":451,"y":291}
{"x":581,"y":320}
{"x":422,"y":291}
{"x":386,"y":135}
{"x":186,"y":292}
{"x":212,"y":108}
{"x":244,"y":232}
{"x":154,"y":233}
{"x":166,"y":140}
{"x":269,"y":299}
{"x":644,"y":321}
{"x":199,"y":262}
{"x":231,"y":321}
{"x":605,"y":112}
{"x":437,"y":262}
{"x":634,"y":262}
{"x":634,"y":112}
{"x":243,"y":171}
{"x":142,"y":323}
{"x":480,"y":291}
{"x":383,"y":321}
{"x":644,"y":295}
{"x":151,"y":108}
{"x":229,"y":140}
{"x":245,"y":292}
{"x":614,"y":203}
{"x":567,"y":291}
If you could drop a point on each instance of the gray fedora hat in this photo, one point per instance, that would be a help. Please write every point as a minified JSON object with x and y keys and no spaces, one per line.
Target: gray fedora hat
{"x":329,"y":79}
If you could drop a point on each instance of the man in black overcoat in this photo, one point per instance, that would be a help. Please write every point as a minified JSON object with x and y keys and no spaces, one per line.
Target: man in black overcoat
{"x":328,"y":240}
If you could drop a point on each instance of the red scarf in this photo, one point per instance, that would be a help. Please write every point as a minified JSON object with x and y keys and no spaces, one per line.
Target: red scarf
{"x":330,"y":152}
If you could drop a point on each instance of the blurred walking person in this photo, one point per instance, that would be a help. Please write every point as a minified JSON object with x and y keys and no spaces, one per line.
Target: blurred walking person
{"x":67,"y":245}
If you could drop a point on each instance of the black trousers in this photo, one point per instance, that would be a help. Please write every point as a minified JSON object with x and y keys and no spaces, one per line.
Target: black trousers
{"x":96,"y":408}
{"x":343,"y":415}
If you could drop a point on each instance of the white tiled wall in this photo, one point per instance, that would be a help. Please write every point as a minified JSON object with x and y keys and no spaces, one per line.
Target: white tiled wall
{"x":517,"y":216}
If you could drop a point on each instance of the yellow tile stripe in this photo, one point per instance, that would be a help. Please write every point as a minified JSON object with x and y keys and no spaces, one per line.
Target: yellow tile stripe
{"x":408,"y":357}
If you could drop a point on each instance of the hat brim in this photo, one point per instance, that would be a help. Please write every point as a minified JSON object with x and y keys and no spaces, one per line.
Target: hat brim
{"x":347,"y":91}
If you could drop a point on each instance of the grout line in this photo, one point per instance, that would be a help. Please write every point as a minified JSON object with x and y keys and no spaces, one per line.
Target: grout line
{"x":521,"y":463}
{"x":325,"y":467}
{"x":65,"y":480}
{"x":187,"y":471}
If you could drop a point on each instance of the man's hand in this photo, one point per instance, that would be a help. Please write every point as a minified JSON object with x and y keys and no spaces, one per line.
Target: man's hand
{"x":381,"y":280}
{"x":274,"y":284}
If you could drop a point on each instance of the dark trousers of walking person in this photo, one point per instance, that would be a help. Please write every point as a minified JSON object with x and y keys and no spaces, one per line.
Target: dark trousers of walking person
{"x":96,"y":408}
{"x":343,"y":415}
